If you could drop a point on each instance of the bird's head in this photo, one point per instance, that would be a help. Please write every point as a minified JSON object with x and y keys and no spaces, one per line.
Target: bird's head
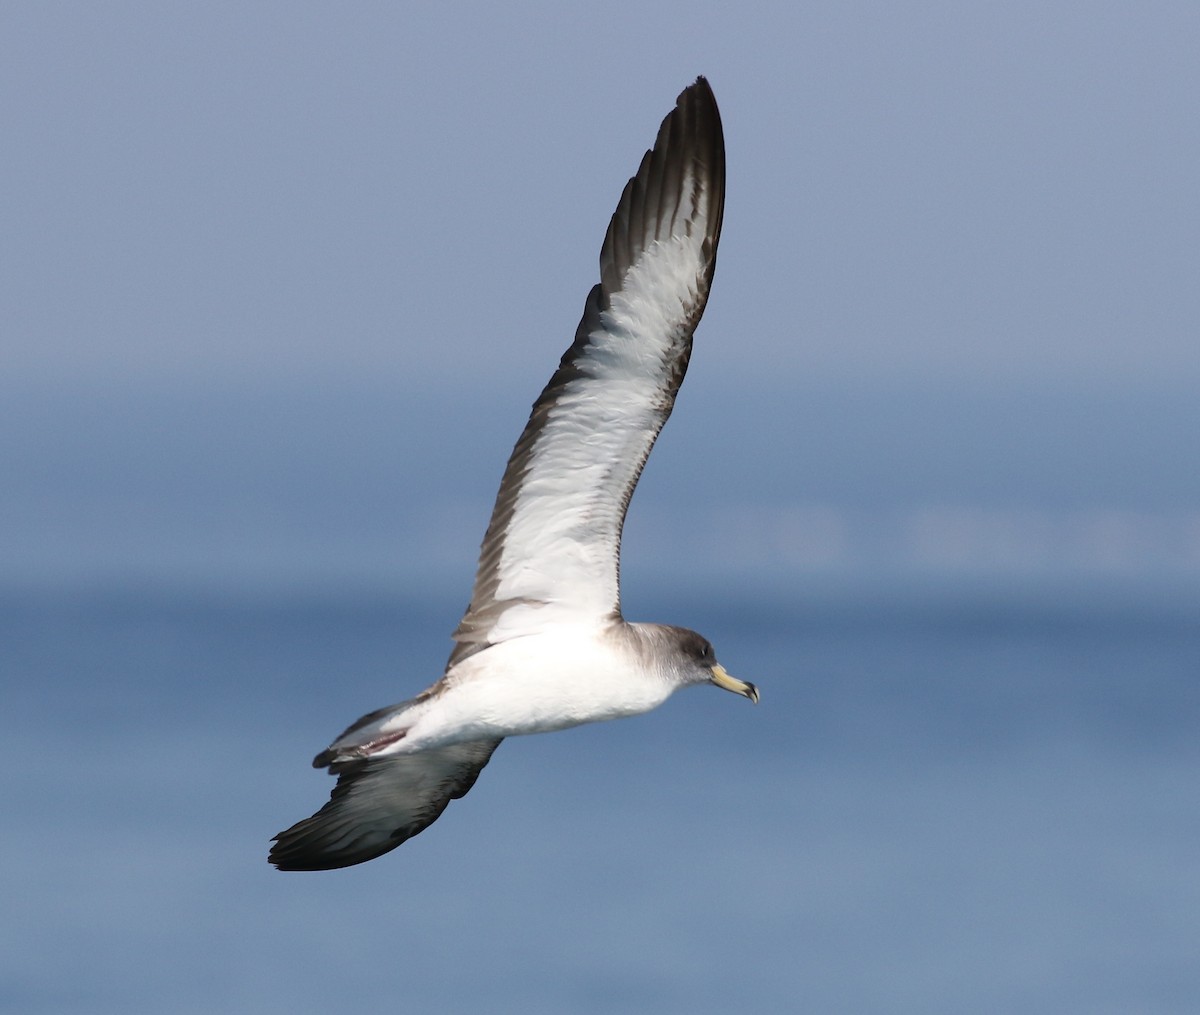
{"x":704,"y":668}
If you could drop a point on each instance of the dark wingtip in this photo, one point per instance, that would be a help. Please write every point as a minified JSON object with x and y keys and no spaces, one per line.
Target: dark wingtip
{"x":300,"y":859}
{"x":307,"y":846}
{"x":699,"y":87}
{"x":690,"y":139}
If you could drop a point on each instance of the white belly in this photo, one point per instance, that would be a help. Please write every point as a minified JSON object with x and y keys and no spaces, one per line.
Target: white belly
{"x":535,"y":684}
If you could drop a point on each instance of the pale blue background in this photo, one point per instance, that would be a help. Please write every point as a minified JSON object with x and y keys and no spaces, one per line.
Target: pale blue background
{"x":279,"y":283}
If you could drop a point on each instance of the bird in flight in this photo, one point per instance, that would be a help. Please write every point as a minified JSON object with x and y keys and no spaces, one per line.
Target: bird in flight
{"x":543,"y":645}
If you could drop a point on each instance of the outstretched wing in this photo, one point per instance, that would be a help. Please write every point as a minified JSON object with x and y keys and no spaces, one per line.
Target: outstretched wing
{"x":552,"y":548}
{"x":378,"y":803}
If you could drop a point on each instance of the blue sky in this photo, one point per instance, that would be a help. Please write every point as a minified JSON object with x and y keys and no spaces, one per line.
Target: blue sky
{"x":281,"y":281}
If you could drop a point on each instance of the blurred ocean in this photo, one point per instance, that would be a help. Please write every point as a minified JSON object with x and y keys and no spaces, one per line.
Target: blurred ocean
{"x":972,"y":784}
{"x":983,"y":803}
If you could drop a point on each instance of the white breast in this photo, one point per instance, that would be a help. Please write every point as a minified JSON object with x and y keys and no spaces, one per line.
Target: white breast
{"x":538,"y":683}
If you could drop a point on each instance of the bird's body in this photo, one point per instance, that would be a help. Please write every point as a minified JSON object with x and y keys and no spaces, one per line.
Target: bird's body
{"x":538,"y":683}
{"x":543,"y":645}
